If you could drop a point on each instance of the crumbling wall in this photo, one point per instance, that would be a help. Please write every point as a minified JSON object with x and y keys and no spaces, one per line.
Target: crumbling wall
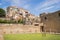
{"x":18,"y":28}
{"x":51,"y":22}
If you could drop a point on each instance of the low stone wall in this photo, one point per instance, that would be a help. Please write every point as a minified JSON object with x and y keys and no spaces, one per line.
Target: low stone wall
{"x":18,"y":28}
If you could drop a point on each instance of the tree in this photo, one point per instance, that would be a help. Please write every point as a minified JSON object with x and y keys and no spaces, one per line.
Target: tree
{"x":2,"y":12}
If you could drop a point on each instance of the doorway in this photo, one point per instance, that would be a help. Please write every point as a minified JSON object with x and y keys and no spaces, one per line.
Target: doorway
{"x":42,"y":28}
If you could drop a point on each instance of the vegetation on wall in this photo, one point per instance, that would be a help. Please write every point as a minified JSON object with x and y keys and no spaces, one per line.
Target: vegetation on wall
{"x":10,"y":21}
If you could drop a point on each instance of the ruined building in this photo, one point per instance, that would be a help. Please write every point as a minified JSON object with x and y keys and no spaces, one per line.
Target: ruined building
{"x":51,"y":22}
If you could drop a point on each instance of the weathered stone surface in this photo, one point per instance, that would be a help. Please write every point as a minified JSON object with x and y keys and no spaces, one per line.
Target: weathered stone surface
{"x":19,"y":28}
{"x":51,"y":22}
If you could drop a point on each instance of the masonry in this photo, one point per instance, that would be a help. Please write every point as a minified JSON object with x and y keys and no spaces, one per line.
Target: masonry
{"x":51,"y":22}
{"x":18,"y":28}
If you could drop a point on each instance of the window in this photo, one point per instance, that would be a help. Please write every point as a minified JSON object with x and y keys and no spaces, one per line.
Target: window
{"x":36,"y":24}
{"x":26,"y":12}
{"x":33,"y":19}
{"x":42,"y":28}
{"x":59,"y":14}
{"x":20,"y":13}
{"x":45,"y":18}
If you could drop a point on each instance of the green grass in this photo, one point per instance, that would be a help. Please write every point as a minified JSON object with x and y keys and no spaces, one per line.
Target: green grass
{"x":31,"y":37}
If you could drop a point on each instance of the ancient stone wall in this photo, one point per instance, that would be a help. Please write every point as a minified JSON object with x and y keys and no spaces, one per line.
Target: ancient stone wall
{"x":51,"y":22}
{"x":18,"y":28}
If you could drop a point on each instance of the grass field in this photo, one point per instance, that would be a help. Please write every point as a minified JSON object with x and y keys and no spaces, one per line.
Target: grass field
{"x":31,"y":37}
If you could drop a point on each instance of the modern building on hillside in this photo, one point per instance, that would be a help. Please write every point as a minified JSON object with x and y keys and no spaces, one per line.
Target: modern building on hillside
{"x":51,"y":22}
{"x":15,"y":13}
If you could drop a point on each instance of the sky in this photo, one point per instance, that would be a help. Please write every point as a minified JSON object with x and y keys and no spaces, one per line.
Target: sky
{"x":36,"y":7}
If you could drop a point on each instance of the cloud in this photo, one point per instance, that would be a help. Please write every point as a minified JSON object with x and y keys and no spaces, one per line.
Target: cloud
{"x":19,"y":2}
{"x":47,"y":8}
{"x":45,"y":4}
{"x":35,"y":6}
{"x":16,"y":2}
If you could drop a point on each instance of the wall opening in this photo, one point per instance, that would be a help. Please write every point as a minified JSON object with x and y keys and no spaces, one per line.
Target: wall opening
{"x":36,"y":24}
{"x":45,"y":18}
{"x":59,"y":14}
{"x":42,"y":28}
